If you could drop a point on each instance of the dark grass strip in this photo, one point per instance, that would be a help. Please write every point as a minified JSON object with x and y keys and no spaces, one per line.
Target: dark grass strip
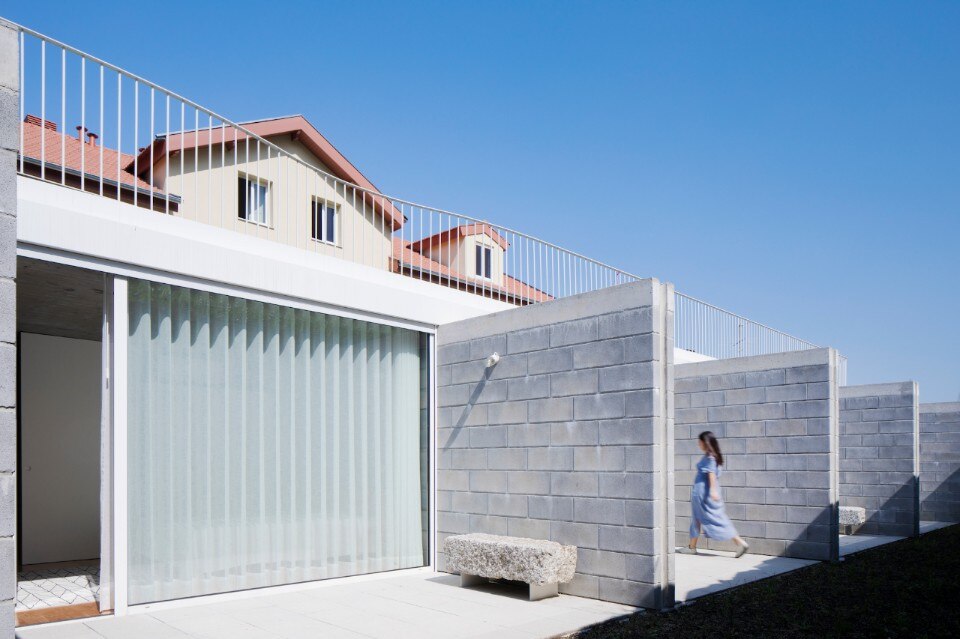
{"x":910,"y":588}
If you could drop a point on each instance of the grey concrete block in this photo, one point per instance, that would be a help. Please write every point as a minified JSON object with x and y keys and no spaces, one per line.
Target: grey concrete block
{"x":690,"y":385}
{"x":630,"y":539}
{"x":550,"y":507}
{"x":488,"y":481}
{"x":483,"y":347}
{"x":593,"y":510}
{"x":627,"y":377}
{"x":599,"y":458}
{"x":551,"y":458}
{"x":8,"y":440}
{"x":530,"y":387}
{"x":529,"y":528}
{"x":580,"y":382}
{"x":507,"y":413}
{"x":769,"y":378}
{"x":629,"y":432}
{"x":453,"y":353}
{"x":576,"y":332}
{"x":574,"y":484}
{"x":808,"y":408}
{"x":727,"y":381}
{"x":528,"y":435}
{"x":8,"y":375}
{"x":508,"y":505}
{"x":606,"y":353}
{"x":582,"y":433}
{"x":550,"y":361}
{"x":804,"y":374}
{"x":604,"y":564}
{"x":528,"y":482}
{"x":581,"y":535}
{"x":468,"y":459}
{"x":641,"y":403}
{"x":531,"y":339}
{"x":506,"y":458}
{"x":488,"y":437}
{"x":554,"y":409}
{"x":590,"y":407}
{"x":631,"y":322}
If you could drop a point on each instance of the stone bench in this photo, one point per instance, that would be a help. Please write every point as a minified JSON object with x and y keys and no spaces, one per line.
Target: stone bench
{"x":539,"y":563}
{"x":851,"y":516}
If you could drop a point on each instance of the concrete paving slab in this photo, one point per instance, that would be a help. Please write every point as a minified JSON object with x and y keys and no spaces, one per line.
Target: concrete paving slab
{"x":928,"y":526}
{"x":850,"y":544}
{"x":712,"y":571}
{"x":422,"y":605}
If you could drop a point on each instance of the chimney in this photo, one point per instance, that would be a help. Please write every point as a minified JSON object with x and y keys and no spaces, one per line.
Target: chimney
{"x":92,"y":138}
{"x":81,"y":130}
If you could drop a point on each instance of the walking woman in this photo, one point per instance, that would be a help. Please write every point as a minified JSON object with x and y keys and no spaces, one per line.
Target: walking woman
{"x":709,"y":514}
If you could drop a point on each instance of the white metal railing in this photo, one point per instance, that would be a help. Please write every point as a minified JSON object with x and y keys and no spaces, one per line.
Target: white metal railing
{"x":712,"y":331}
{"x":158,"y":150}
{"x":709,"y":330}
{"x":139,"y":143}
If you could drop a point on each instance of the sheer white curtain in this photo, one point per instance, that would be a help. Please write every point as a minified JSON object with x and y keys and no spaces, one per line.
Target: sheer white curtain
{"x":268,"y":445}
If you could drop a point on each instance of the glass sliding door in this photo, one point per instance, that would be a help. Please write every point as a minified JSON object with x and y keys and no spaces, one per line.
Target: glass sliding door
{"x":269,"y":445}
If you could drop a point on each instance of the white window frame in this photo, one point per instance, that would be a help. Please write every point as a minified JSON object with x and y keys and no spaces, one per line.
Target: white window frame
{"x":314,"y":202}
{"x":267,"y":186}
{"x":487,"y":260}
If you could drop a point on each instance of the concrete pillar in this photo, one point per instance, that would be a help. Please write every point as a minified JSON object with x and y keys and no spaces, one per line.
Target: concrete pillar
{"x":9,"y":144}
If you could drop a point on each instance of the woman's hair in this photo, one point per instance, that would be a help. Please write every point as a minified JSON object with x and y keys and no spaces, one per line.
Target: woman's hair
{"x":713,"y":446}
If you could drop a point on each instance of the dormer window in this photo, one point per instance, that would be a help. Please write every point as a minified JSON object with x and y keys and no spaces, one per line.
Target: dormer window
{"x":484,"y":254}
{"x":254,"y":200}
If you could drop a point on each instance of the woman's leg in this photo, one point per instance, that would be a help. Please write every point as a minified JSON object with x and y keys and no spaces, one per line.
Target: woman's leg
{"x":694,"y":534}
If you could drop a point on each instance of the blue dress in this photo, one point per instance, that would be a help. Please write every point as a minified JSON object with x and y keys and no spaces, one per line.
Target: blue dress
{"x":709,"y":514}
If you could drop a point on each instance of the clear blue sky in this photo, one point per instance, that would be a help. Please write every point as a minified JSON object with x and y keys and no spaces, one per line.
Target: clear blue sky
{"x":797,"y":164}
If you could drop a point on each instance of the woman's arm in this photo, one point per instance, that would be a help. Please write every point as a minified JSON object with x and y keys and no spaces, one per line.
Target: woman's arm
{"x":714,"y":488}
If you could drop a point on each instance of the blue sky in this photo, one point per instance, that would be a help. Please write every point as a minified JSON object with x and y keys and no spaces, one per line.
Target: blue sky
{"x":798,"y":163}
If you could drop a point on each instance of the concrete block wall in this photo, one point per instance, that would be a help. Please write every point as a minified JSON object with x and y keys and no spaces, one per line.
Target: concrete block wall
{"x":777,"y":420}
{"x":9,"y":145}
{"x":879,"y":456}
{"x":940,"y":462}
{"x":567,"y":438}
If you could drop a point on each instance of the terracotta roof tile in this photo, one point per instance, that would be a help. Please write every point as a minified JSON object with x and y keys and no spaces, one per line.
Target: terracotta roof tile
{"x":76,"y":155}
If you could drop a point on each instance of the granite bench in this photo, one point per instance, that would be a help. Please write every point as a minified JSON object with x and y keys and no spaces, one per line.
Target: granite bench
{"x":851,"y":516}
{"x":541,"y":564}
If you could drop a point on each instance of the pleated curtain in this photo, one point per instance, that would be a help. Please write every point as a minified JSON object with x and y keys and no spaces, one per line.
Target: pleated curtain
{"x":268,"y":445}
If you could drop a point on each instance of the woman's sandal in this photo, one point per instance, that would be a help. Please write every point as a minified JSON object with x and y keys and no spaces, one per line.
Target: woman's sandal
{"x":687,"y":550}
{"x":741,"y":550}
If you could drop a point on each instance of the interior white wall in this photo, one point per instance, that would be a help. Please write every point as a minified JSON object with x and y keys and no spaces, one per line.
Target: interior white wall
{"x":60,"y":448}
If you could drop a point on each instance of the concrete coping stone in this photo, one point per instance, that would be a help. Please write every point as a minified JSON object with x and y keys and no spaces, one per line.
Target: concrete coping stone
{"x":607,"y":300}
{"x":940,"y":407}
{"x":869,"y":390}
{"x":533,"y":561}
{"x":755,"y":363}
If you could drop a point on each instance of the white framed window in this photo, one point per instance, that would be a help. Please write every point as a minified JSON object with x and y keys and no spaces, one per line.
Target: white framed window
{"x":253,"y":202}
{"x":324,"y":222}
{"x":484,"y":257}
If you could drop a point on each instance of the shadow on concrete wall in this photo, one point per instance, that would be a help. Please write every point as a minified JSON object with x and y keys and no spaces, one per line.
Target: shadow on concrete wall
{"x":468,"y":408}
{"x":943,"y":502}
{"x":895,"y":515}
